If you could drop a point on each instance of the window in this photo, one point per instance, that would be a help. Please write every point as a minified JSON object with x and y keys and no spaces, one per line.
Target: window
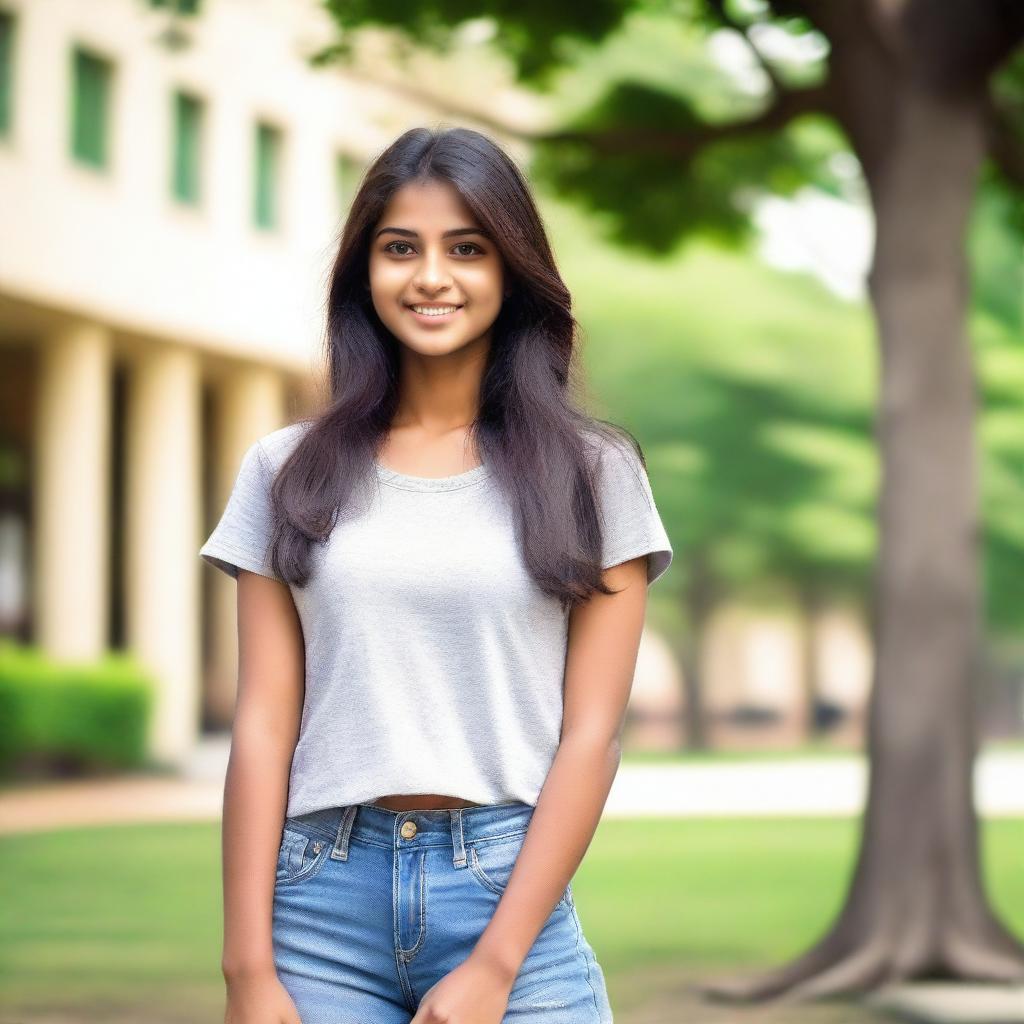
{"x":347,"y":170}
{"x":266,"y":213}
{"x":6,"y":72}
{"x":187,"y":155}
{"x":90,"y":107}
{"x":178,"y":6}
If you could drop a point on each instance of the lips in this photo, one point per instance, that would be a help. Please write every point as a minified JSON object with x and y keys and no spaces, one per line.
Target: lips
{"x":431,"y":318}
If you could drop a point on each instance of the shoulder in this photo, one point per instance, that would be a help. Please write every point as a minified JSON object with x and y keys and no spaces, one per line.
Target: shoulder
{"x":275,"y":447}
{"x":612,"y":450}
{"x":619,"y":470}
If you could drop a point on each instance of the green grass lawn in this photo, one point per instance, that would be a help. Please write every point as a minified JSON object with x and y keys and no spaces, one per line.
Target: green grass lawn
{"x":106,"y":919}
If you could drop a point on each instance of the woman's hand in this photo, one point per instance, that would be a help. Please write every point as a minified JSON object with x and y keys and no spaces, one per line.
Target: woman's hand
{"x":259,"y":998}
{"x":476,"y":992}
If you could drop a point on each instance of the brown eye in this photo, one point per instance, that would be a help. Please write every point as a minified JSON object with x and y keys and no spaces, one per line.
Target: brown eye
{"x":388,"y":247}
{"x":470,"y":245}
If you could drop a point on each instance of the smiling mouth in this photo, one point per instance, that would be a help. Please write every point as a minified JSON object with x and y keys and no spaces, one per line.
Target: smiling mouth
{"x":425,"y":311}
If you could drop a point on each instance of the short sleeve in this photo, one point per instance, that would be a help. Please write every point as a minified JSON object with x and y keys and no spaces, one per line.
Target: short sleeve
{"x":631,"y":524}
{"x":241,"y":540}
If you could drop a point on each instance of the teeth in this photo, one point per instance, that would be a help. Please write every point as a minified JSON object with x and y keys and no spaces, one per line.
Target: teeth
{"x":435,"y":310}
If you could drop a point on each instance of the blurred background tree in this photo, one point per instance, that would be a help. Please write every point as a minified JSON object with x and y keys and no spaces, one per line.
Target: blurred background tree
{"x":929,"y":100}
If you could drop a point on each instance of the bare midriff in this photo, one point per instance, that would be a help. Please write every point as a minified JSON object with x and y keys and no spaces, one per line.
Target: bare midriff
{"x":421,"y":802}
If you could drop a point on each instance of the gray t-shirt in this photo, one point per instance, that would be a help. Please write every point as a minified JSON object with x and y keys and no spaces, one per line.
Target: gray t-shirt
{"x":434,"y":663}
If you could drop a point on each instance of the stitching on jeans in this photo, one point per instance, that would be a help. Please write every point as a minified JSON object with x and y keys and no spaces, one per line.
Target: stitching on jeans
{"x":289,"y":840}
{"x":514,"y":834}
{"x":586,"y":961}
{"x":569,"y":902}
{"x":387,"y":846}
{"x":403,"y":976}
{"x":458,"y":844}
{"x":478,"y":872}
{"x":313,"y":868}
{"x":332,"y":835}
{"x":443,"y":842}
{"x":341,"y":844}
{"x":408,"y":954}
{"x":302,"y":826}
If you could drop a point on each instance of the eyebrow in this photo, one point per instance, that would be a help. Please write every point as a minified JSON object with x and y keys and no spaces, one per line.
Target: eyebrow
{"x":444,"y":234}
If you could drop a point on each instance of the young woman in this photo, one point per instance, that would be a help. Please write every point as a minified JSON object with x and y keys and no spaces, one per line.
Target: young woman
{"x":441,"y":587}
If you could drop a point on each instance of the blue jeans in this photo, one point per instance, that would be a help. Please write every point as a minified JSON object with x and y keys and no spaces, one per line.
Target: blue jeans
{"x":373,"y":906}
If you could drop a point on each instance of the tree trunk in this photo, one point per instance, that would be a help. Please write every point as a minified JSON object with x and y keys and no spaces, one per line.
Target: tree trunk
{"x":810,"y":683}
{"x":700,"y":601}
{"x":916,"y":907}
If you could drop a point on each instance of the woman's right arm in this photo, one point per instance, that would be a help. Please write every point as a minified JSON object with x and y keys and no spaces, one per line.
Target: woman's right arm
{"x":268,"y":709}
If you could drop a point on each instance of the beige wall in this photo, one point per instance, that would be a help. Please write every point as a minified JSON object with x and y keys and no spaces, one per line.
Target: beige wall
{"x":112,"y":245}
{"x":103,"y":272}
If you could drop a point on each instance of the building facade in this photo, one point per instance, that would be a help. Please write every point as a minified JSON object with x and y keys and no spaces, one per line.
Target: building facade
{"x":173,"y":176}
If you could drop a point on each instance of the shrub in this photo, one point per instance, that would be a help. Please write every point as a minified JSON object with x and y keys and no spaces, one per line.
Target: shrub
{"x":62,"y":717}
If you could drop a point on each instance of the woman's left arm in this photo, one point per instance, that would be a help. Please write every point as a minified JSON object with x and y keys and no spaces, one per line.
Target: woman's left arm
{"x":603,"y":641}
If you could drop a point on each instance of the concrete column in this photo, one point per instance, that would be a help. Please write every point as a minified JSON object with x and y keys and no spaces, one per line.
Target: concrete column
{"x":162,"y":516}
{"x":71,"y":503}
{"x":250,"y":403}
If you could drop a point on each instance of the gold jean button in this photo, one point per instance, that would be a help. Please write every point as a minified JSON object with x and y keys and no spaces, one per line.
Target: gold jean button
{"x":408,"y":829}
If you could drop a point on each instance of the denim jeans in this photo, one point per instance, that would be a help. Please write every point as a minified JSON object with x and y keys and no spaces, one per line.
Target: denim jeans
{"x":373,"y":906}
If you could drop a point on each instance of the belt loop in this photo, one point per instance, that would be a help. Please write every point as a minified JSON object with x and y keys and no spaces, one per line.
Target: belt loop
{"x":340,"y":851}
{"x":458,"y":846}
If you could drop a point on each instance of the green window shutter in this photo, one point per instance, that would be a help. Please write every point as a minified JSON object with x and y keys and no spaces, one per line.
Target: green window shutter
{"x":179,"y":6}
{"x":346,"y":177}
{"x":267,"y":171}
{"x":6,"y":72}
{"x":187,"y":157}
{"x":90,"y":107}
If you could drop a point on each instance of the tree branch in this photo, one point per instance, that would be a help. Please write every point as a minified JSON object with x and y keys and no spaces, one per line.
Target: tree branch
{"x":1005,"y":145}
{"x":789,"y":105}
{"x":687,"y":144}
{"x":408,"y":90}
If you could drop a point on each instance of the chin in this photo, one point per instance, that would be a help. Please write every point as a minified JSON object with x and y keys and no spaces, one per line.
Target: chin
{"x":432,"y":347}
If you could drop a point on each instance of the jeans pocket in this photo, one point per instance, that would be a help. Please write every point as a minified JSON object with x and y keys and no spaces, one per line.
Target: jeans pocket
{"x":300,"y":855}
{"x":491,"y":862}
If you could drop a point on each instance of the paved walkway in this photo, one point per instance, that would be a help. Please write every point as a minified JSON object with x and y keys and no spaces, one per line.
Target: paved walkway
{"x":950,"y":1003}
{"x":664,"y":995}
{"x":821,"y":786}
{"x":807,"y":786}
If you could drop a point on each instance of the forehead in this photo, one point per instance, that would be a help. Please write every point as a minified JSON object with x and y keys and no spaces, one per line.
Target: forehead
{"x":427,"y":206}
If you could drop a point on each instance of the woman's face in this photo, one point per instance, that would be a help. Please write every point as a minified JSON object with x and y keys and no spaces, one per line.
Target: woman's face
{"x":427,"y":252}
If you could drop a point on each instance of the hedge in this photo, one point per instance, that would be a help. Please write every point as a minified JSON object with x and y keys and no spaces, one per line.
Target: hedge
{"x":62,"y":717}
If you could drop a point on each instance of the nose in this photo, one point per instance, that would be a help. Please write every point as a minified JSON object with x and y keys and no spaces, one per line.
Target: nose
{"x":432,"y":275}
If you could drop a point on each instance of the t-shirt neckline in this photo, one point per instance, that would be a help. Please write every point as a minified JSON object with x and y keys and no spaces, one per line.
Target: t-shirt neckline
{"x":431,"y":483}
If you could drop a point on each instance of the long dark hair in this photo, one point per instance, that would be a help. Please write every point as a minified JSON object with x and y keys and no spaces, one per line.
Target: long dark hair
{"x":529,"y":429}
